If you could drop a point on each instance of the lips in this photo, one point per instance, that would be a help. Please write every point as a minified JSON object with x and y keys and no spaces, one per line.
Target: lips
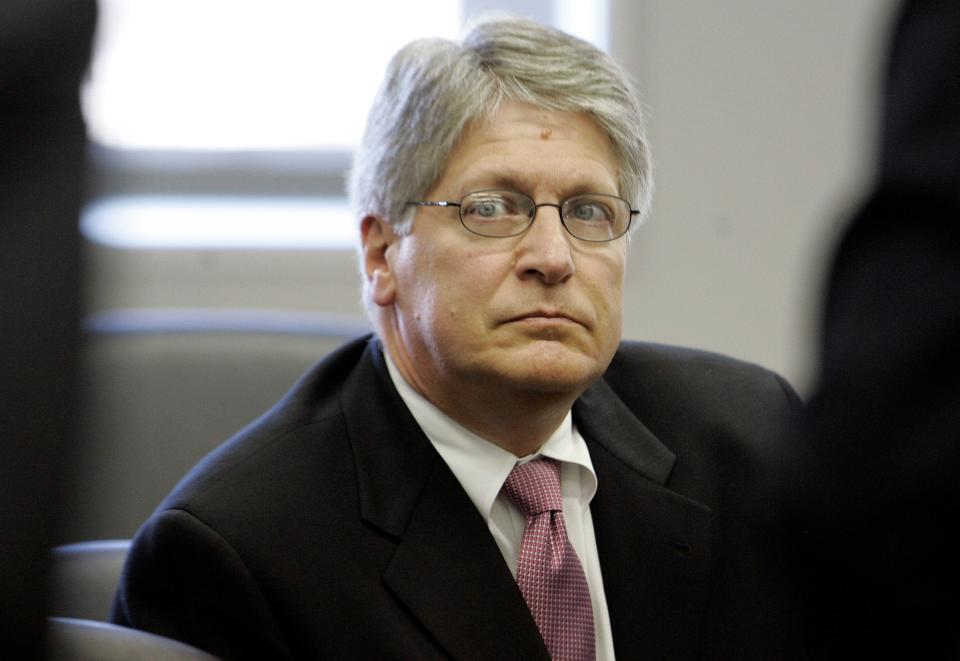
{"x":546,"y":315}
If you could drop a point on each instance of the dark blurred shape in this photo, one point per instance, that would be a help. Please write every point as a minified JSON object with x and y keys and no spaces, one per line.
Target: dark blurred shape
{"x":44,"y":51}
{"x":868,"y":489}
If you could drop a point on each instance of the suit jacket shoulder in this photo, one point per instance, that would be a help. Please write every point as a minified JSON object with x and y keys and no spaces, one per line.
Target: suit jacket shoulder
{"x":676,"y":436}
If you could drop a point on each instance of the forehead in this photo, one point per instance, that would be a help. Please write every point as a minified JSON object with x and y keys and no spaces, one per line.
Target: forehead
{"x":533,"y":148}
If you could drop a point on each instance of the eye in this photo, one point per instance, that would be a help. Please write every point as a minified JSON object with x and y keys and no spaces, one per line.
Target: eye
{"x":489,"y":206}
{"x":589,"y":211}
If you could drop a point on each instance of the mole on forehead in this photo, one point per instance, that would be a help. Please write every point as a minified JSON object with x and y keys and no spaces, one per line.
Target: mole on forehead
{"x":545,"y":133}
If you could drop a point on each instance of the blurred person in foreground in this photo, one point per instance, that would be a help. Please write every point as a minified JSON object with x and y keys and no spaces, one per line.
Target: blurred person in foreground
{"x":400,"y":501}
{"x":865,"y":496}
{"x":44,"y":52}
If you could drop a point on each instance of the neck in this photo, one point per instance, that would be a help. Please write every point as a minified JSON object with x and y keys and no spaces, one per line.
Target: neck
{"x":518,"y":422}
{"x":516,"y":419}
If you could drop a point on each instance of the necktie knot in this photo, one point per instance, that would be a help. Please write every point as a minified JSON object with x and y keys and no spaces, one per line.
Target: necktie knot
{"x":534,"y":487}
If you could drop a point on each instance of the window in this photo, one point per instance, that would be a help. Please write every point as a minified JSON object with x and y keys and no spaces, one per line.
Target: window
{"x":224,"y":123}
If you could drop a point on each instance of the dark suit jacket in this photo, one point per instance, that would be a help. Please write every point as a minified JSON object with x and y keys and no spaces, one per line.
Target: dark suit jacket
{"x":331,"y":528}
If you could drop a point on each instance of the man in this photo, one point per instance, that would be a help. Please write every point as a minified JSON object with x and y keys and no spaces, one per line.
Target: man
{"x":375,"y":512}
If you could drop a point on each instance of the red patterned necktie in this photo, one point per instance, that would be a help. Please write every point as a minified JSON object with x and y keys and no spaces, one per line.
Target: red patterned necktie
{"x":549,"y":574}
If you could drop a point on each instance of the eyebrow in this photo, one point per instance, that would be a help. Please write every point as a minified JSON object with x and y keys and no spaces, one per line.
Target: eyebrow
{"x":487,"y":179}
{"x":517,"y":181}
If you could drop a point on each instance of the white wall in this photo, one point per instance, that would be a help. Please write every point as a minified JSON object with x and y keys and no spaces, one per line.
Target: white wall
{"x":761,"y":121}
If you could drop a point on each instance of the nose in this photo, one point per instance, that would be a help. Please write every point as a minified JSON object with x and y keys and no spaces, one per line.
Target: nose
{"x":544,"y":251}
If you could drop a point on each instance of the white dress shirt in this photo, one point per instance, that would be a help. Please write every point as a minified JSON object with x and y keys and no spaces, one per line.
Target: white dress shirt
{"x":482,"y":467}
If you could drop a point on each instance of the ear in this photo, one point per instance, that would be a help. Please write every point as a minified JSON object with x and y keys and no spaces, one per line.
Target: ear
{"x":376,"y":237}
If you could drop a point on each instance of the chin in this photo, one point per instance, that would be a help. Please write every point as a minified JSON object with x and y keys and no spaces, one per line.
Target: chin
{"x":552,"y":367}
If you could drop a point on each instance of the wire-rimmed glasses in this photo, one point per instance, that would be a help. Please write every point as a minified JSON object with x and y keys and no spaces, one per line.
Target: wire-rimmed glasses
{"x":503,"y":213}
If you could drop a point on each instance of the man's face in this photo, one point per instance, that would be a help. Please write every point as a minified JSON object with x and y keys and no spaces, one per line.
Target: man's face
{"x":536,"y":313}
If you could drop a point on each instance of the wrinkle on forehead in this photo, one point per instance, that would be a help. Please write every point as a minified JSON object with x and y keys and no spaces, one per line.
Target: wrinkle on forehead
{"x":504,"y":151}
{"x":557,"y":123}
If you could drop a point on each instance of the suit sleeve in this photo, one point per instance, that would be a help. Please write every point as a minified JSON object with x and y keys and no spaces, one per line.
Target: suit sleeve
{"x":184,"y":581}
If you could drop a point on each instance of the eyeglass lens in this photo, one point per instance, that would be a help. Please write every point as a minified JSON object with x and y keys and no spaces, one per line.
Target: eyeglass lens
{"x":592,"y":217}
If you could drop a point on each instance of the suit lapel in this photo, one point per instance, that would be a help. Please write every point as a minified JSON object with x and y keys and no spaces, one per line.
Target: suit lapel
{"x":653,"y":544}
{"x":446,"y":570}
{"x":450,"y":574}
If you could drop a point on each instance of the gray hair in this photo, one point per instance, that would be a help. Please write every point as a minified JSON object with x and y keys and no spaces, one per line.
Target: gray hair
{"x":434,"y":88}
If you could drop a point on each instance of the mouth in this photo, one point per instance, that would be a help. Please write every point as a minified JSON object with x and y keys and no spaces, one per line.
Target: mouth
{"x":549,"y":317}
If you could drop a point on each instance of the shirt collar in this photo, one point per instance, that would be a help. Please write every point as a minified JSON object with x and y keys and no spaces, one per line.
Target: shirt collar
{"x":480,"y":465}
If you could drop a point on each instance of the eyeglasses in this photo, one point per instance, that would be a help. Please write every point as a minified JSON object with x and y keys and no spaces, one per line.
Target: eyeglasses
{"x":503,"y":213}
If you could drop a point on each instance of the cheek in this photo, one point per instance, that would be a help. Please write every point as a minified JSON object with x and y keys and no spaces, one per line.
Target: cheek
{"x":415,"y":273}
{"x":606,"y":285}
{"x":473,"y":275}
{"x":447,"y":290}
{"x":605,"y":276}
